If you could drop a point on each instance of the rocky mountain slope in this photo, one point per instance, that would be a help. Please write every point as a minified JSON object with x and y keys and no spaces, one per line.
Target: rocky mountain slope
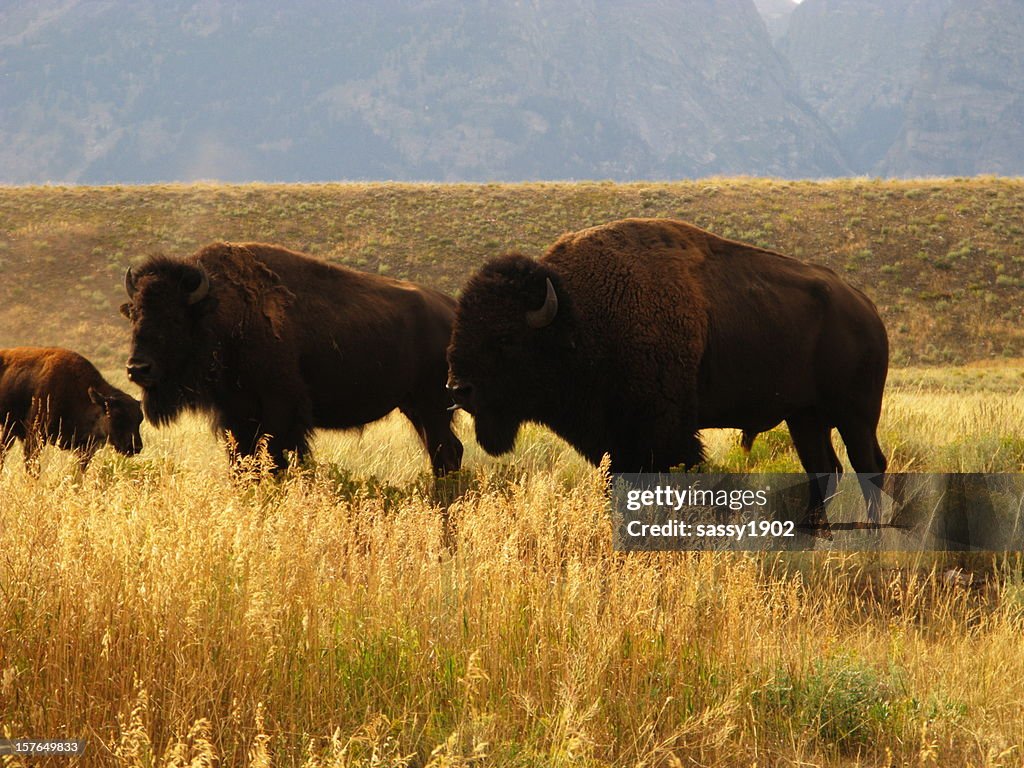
{"x":915,"y":87}
{"x":966,"y":112}
{"x":108,"y":91}
{"x":857,"y":62}
{"x":776,"y":15}
{"x":135,"y":91}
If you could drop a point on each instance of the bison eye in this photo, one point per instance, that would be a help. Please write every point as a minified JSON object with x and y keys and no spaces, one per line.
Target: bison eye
{"x":508,"y":347}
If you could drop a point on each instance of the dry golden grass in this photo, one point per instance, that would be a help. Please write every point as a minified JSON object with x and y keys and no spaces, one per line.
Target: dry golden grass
{"x":342,"y":617}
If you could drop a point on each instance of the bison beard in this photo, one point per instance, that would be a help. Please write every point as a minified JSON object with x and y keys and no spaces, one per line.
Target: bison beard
{"x":629,"y":338}
{"x":163,"y":403}
{"x":496,"y":432}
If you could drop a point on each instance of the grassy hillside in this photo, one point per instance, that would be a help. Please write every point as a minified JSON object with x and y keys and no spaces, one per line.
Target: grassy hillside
{"x":943,"y":259}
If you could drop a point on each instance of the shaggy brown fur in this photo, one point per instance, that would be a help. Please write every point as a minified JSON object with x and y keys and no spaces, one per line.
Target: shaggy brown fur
{"x":52,"y":395}
{"x":283,"y":343}
{"x":663,"y":329}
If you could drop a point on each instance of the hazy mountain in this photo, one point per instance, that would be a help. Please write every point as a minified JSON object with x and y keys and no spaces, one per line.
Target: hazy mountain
{"x":966,"y":111}
{"x":99,"y":91}
{"x":857,"y":62}
{"x":915,"y":87}
{"x":776,"y":15}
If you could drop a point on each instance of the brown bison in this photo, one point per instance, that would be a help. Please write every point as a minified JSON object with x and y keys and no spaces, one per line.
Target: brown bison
{"x":51,"y":395}
{"x":273,"y":343}
{"x":629,"y":338}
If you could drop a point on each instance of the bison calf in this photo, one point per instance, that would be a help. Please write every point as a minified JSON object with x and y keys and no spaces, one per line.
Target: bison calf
{"x":272,"y":344}
{"x":630,"y":338}
{"x":51,"y":395}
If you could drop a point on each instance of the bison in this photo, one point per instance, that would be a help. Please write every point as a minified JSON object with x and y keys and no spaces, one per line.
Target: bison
{"x":273,"y":343}
{"x":52,"y":395}
{"x":629,"y":338}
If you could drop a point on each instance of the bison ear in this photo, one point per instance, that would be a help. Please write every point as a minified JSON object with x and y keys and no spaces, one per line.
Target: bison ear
{"x":97,"y":398}
{"x":126,"y":310}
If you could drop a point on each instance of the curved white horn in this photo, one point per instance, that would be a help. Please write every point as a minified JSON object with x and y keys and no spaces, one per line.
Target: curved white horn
{"x":538,"y":318}
{"x":129,"y":284}
{"x":204,"y":288}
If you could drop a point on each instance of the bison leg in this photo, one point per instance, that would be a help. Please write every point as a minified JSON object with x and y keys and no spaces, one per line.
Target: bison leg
{"x":243,"y":437}
{"x":282,"y":427}
{"x":84,"y":457}
{"x":247,"y":436}
{"x":649,"y":450}
{"x":868,"y":462}
{"x":7,"y":438}
{"x":440,"y":442}
{"x":812,"y":438}
{"x":747,"y":441}
{"x":32,"y":445}
{"x":278,"y":446}
{"x":287,"y":423}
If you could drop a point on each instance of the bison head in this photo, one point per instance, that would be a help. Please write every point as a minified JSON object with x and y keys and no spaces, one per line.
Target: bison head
{"x":511,"y":341}
{"x":117,"y":422}
{"x":168,"y":299}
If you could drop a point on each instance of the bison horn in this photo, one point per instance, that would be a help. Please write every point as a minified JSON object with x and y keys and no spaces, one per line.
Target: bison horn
{"x":202,"y":289}
{"x":129,"y":283}
{"x":539,"y":318}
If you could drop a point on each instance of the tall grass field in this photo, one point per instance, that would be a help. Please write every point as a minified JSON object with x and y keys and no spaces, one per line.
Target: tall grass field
{"x":172,"y":613}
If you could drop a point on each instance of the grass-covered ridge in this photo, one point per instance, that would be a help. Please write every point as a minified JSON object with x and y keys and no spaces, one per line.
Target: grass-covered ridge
{"x":943,"y":259}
